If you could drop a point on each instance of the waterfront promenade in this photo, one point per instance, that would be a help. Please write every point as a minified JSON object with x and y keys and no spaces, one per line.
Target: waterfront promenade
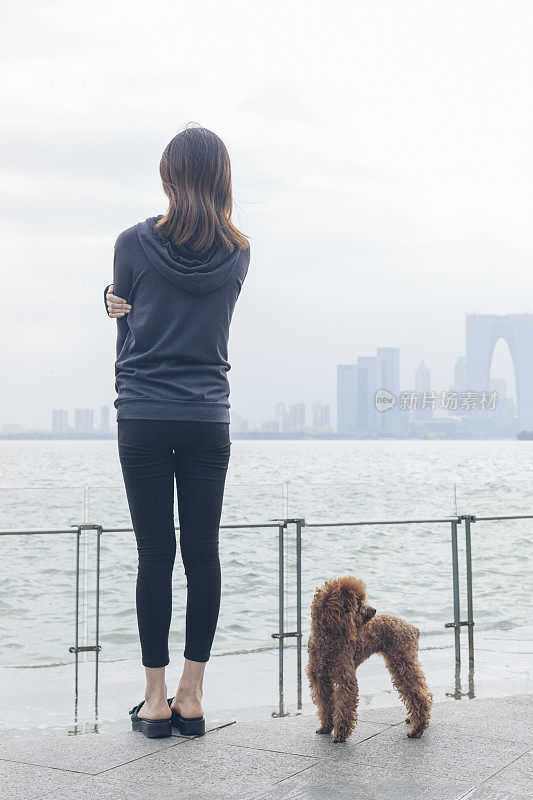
{"x":475,"y":749}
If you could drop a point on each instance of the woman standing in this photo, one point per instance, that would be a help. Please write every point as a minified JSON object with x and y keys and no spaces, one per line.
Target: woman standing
{"x":176,"y":280}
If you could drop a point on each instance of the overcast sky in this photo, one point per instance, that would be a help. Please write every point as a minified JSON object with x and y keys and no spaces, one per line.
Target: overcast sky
{"x":382,"y":166}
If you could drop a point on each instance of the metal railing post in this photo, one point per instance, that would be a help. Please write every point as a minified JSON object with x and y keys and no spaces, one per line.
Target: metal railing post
{"x":77,"y":648}
{"x":470,"y":601}
{"x":456,"y":624}
{"x":280,"y":635}
{"x":77,"y":623}
{"x":299,"y":525}
{"x":281,"y":610}
{"x":97,"y":623}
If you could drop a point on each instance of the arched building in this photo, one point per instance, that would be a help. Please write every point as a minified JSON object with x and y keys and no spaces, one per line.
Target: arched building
{"x":483,"y":331}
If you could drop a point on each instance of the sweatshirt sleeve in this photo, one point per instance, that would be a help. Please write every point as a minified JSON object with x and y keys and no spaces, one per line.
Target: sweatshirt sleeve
{"x":122,"y":283}
{"x":105,"y":301}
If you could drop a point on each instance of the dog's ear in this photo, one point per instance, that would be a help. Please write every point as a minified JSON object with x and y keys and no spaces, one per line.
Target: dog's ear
{"x":317,"y":603}
{"x":333,"y":608}
{"x":348,"y":612}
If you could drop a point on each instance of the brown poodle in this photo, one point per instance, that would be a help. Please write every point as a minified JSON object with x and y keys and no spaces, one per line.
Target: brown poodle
{"x":345,"y":631}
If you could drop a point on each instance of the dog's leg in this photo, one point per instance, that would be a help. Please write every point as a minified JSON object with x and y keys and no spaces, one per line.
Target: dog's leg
{"x":345,"y":700}
{"x":408,"y":678}
{"x":322,"y":696}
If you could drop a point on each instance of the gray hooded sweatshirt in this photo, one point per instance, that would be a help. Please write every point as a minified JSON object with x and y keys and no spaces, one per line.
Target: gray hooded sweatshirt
{"x":172,"y":347}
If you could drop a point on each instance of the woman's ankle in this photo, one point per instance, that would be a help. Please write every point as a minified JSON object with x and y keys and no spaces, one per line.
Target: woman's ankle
{"x":192,"y":677}
{"x":157,"y":699}
{"x":189,"y":690}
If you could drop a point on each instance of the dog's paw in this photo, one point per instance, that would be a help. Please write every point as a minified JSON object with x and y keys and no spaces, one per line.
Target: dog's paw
{"x":414,"y":734}
{"x":408,"y":720}
{"x":323,"y":729}
{"x":339,"y":738}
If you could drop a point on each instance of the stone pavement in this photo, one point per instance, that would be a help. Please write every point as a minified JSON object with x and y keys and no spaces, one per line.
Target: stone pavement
{"x":475,"y":749}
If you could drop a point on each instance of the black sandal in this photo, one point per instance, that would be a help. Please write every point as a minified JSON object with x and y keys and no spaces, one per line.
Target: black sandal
{"x":187,"y":726}
{"x":153,"y":728}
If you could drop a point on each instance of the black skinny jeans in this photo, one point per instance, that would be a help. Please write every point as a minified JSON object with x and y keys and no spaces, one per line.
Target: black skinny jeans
{"x":152,"y":454}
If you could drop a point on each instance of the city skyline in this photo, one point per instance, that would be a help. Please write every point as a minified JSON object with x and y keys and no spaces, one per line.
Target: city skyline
{"x":356,"y":404}
{"x":501,"y":365}
{"x":357,"y":383}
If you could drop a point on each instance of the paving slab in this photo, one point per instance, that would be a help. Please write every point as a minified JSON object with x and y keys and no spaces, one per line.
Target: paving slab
{"x":201,"y":767}
{"x":295,"y":735}
{"x":341,"y":782}
{"x":502,"y":718}
{"x":441,"y":752}
{"x":24,"y":781}
{"x":517,"y":699}
{"x":88,"y":753}
{"x":395,"y":715}
{"x":514,"y":781}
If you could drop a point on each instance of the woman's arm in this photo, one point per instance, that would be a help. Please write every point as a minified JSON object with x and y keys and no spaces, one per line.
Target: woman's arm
{"x":115,"y":304}
{"x":122,"y":282}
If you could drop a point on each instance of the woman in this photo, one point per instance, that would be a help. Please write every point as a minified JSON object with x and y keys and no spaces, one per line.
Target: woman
{"x":176,"y":280}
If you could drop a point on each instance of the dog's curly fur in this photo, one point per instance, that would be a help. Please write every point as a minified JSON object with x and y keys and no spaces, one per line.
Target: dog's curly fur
{"x":345,"y":631}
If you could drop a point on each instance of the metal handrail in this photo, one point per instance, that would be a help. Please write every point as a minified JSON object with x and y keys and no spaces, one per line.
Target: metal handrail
{"x":275,"y":524}
{"x":130,"y":530}
{"x":511,"y":516}
{"x":378,"y":522}
{"x":299,"y":523}
{"x":451,"y":518}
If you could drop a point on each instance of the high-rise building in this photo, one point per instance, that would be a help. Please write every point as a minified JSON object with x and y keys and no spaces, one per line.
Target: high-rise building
{"x":366,"y":417}
{"x":281,"y":417}
{"x":60,"y":420}
{"x":270,"y":426}
{"x":321,"y":417}
{"x":10,"y":427}
{"x":423,"y":410}
{"x":296,"y":418}
{"x":346,"y":398}
{"x":422,"y":378}
{"x":392,"y":420}
{"x":104,"y":420}
{"x":460,"y":379}
{"x":84,"y":420}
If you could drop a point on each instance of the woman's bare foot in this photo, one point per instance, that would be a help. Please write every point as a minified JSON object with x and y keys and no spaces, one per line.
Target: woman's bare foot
{"x":155,"y":704}
{"x":156,"y":709}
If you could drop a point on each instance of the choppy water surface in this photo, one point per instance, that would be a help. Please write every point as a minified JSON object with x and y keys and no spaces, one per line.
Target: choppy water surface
{"x":55,"y":484}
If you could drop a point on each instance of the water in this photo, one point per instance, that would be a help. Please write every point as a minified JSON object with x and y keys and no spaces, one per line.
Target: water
{"x":55,"y":484}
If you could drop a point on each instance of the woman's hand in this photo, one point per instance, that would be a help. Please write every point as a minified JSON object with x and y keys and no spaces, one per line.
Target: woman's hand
{"x":116,"y":306}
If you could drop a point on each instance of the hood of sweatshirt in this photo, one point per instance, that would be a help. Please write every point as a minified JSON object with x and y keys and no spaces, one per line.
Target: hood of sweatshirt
{"x":197,"y":273}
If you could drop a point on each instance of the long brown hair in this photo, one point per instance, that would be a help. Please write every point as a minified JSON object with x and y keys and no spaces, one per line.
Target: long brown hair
{"x":196,"y":174}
